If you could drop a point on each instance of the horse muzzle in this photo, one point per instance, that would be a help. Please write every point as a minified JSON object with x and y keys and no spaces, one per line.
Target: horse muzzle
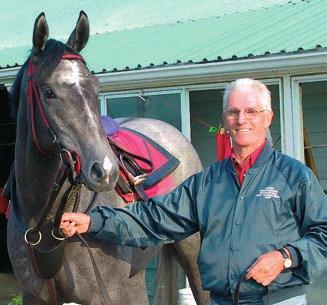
{"x":100,"y":177}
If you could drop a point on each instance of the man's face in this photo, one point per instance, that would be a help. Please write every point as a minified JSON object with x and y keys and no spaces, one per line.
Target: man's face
{"x":247,"y":130}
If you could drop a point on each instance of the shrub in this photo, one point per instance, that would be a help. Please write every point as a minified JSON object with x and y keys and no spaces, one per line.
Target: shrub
{"x":16,"y":300}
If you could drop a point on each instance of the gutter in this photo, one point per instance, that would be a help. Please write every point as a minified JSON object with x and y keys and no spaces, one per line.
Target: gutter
{"x":268,"y":66}
{"x":188,"y":74}
{"x":8,"y":75}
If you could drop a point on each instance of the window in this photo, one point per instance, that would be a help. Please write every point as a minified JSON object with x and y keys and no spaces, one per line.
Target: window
{"x":314,"y":108}
{"x":165,"y":107}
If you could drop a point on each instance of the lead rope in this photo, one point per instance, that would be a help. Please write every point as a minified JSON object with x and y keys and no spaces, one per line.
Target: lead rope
{"x":103,"y":290}
{"x":73,"y":196}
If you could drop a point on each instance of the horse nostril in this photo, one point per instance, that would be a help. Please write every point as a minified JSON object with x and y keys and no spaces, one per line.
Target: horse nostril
{"x":97,"y":172}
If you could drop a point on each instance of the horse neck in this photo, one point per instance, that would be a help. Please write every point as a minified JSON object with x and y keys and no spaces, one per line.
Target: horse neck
{"x":35,"y":172}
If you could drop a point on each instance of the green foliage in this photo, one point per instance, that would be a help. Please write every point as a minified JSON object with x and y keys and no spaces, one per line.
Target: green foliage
{"x":16,"y":300}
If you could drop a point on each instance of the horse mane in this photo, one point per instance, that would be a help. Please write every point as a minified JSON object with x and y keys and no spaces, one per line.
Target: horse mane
{"x":15,"y":93}
{"x":46,"y":62}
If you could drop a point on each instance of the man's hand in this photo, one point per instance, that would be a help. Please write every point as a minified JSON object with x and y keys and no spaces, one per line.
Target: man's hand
{"x":72,"y":223}
{"x":266,"y":268}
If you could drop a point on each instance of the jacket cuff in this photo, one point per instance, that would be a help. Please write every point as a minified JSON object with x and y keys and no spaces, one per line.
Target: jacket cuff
{"x":295,"y":256}
{"x":96,"y":223}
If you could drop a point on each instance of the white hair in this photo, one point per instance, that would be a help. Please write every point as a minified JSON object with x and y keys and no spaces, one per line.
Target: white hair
{"x":239,"y":84}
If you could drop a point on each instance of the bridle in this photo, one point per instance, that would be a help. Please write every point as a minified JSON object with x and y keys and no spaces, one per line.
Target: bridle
{"x":70,"y":170}
{"x":68,"y":156}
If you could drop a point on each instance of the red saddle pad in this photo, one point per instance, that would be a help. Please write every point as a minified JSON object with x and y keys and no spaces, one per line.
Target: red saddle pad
{"x":160,"y":180}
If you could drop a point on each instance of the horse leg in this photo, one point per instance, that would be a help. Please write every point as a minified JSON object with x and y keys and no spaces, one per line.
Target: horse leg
{"x":186,"y":252}
{"x":167,"y":278}
{"x":135,"y":292}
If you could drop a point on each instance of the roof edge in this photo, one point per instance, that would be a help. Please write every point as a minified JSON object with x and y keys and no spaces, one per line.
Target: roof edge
{"x":210,"y":72}
{"x":314,"y":62}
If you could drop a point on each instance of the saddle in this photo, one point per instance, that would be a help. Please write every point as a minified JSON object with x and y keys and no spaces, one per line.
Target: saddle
{"x":145,"y":167}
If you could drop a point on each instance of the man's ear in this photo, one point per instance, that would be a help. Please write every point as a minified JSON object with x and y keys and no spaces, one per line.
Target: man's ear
{"x":269,"y":116}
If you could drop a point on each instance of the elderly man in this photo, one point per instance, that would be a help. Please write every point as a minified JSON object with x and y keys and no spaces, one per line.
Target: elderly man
{"x":260,"y":213}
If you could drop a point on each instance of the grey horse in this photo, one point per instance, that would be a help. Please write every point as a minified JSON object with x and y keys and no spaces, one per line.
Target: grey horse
{"x":66,"y":104}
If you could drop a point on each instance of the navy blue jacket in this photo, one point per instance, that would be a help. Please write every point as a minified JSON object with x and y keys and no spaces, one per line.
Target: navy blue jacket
{"x":279,"y":203}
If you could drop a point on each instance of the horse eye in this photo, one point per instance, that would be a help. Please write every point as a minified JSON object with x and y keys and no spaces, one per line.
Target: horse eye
{"x":48,"y":93}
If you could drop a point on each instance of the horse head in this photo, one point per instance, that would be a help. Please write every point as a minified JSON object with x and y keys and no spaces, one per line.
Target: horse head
{"x":63,"y":105}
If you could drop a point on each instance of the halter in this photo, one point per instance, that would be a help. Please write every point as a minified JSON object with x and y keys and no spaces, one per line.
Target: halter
{"x":69,"y":157}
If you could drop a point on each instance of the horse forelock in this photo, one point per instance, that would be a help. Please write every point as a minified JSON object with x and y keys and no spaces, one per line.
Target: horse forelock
{"x":50,"y":58}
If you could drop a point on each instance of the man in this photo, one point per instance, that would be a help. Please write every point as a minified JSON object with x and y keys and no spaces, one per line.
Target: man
{"x":259,"y":213}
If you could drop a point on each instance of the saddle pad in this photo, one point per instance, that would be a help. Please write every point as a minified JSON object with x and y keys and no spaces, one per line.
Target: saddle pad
{"x":158,"y":182}
{"x":3,"y":202}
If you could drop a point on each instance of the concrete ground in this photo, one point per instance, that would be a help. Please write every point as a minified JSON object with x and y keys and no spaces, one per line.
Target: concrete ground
{"x":9,"y":288}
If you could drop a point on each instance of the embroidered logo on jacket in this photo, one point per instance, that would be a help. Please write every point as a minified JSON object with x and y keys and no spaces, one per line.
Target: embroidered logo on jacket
{"x":268,"y":192}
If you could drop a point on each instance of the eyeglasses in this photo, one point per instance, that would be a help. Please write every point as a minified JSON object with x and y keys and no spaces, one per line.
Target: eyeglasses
{"x":249,"y":113}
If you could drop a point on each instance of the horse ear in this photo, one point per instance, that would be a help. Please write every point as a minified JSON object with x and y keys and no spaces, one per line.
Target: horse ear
{"x":79,"y":37}
{"x":40,"y":33}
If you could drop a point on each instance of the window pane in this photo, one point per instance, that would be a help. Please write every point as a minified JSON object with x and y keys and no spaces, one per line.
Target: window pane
{"x":314,"y":97}
{"x":275,"y":126}
{"x":165,"y":107}
{"x":206,"y":110}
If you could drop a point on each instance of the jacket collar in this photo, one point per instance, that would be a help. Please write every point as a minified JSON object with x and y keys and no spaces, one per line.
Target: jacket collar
{"x":265,"y":155}
{"x":263,"y":158}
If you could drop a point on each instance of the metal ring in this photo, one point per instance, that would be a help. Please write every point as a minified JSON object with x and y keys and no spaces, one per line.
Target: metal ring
{"x":54,"y":139}
{"x":69,"y":161}
{"x":56,"y":237}
{"x":33,"y":244}
{"x":139,"y":179}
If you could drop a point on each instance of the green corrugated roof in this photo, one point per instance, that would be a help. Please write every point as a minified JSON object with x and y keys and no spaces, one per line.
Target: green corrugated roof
{"x":17,"y":16}
{"x":152,"y":34}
